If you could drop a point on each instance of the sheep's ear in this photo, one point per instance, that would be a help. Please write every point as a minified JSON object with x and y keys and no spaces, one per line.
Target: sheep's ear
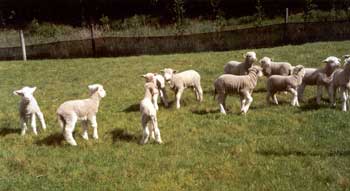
{"x":33,"y":89}
{"x":143,"y":76}
{"x":92,"y":87}
{"x":18,"y":92}
{"x":325,"y":61}
{"x":175,"y":71}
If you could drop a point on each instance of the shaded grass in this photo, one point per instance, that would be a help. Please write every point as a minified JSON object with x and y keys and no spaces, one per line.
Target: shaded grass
{"x":271,"y":148}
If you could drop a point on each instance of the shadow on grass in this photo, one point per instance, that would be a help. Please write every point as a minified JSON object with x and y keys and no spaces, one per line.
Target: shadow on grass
{"x":123,"y":135}
{"x":52,"y":140}
{"x":136,"y":107}
{"x":205,"y":111}
{"x":260,"y":90}
{"x":5,"y":128}
{"x":303,"y":153}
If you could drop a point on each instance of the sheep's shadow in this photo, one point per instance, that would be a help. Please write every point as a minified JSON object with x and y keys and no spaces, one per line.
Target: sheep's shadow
{"x":344,"y":153}
{"x":123,"y":135}
{"x":136,"y":107}
{"x":6,"y":129}
{"x":52,"y":140}
{"x":260,"y":90}
{"x":205,"y":111}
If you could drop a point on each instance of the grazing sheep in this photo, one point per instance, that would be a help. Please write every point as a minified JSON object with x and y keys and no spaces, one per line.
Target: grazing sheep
{"x":341,"y":80}
{"x":275,"y":68}
{"x":319,"y":77}
{"x":240,"y":68}
{"x":71,"y":111}
{"x":277,"y":83}
{"x":160,"y":81}
{"x":242,"y":85}
{"x":149,"y":115}
{"x":180,"y":81}
{"x":29,"y":108}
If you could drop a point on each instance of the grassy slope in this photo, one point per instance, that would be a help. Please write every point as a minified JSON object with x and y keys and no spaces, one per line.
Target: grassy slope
{"x":272,"y":148}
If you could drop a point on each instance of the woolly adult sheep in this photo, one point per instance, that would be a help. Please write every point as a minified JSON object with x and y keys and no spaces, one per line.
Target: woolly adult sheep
{"x":160,"y":82}
{"x":240,"y":68}
{"x":278,"y":83}
{"x":86,"y":109}
{"x":149,"y":115}
{"x":29,"y":109}
{"x":233,"y":84}
{"x":275,"y":68}
{"x":319,"y":77}
{"x":180,"y":81}
{"x":341,"y":80}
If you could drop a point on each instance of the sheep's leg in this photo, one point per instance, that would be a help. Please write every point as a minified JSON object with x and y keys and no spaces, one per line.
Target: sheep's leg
{"x":178,"y":97}
{"x":41,"y":119}
{"x":199,"y":93}
{"x":155,"y":101}
{"x":68,"y":131}
{"x":301,"y":89}
{"x":221,"y":101}
{"x":275,"y":98}
{"x":94,"y":127}
{"x":145,"y":134}
{"x":243,"y":102}
{"x":331,"y":92}
{"x":33,"y":123}
{"x":295,"y":97}
{"x":249,"y":99}
{"x":343,"y":96}
{"x":85,"y":135}
{"x":156,"y":129}
{"x":319,"y":94}
{"x":23,"y":125}
{"x":164,"y":97}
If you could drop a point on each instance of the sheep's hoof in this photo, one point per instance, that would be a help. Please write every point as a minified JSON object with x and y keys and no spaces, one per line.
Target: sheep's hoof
{"x":160,"y":142}
{"x":85,"y":136}
{"x":95,"y":136}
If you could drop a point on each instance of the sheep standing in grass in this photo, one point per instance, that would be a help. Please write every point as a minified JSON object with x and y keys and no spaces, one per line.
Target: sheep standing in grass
{"x":29,"y":109}
{"x":341,"y":80}
{"x":242,"y":85}
{"x":275,"y":68}
{"x":160,"y":82}
{"x":71,"y":111}
{"x":277,"y":83}
{"x":180,"y":81}
{"x":319,"y":77}
{"x":149,"y":115}
{"x":240,"y":68}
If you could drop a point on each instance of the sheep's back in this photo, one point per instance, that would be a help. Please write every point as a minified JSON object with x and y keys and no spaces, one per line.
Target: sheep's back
{"x":232,"y":67}
{"x":277,"y":83}
{"x":147,"y":108}
{"x":187,"y":78}
{"x":231,"y":83}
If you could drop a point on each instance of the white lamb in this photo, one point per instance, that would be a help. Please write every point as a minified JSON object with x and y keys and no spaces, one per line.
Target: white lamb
{"x":240,"y":68}
{"x":28,"y":109}
{"x":160,"y":82}
{"x":278,"y":83}
{"x":275,"y":68}
{"x":319,"y":77}
{"x":71,"y":111}
{"x":149,"y":115}
{"x":233,"y":84}
{"x":180,"y":81}
{"x":341,"y":80}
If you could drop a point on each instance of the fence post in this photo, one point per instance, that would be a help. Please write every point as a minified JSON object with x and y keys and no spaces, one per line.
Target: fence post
{"x":23,"y":45}
{"x":286,"y":18}
{"x":92,"y":40}
{"x":285,"y":35}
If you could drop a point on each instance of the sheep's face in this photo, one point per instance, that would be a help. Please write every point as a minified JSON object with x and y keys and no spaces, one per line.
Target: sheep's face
{"x":97,"y":88}
{"x":332,"y":61}
{"x":149,"y":77}
{"x":299,"y":70}
{"x":168,"y":73}
{"x":26,"y":92}
{"x":347,"y":63}
{"x":265,"y":62}
{"x":250,"y":57}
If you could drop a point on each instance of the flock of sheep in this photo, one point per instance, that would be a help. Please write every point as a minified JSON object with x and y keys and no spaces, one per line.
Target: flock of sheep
{"x":238,"y":78}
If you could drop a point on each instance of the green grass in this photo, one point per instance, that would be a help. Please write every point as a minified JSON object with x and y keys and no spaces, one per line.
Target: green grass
{"x":271,"y":148}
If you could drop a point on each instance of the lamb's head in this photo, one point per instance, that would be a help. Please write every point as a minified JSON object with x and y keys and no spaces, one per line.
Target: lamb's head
{"x":347,"y":64}
{"x":256,"y":69}
{"x":250,"y":57}
{"x":265,"y":63}
{"x":299,"y":70}
{"x":149,"y":77}
{"x":332,"y":62}
{"x":168,"y":73}
{"x":26,"y":93}
{"x":97,"y":89}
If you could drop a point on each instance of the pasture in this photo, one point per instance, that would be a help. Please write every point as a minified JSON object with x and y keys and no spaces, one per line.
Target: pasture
{"x":271,"y":148}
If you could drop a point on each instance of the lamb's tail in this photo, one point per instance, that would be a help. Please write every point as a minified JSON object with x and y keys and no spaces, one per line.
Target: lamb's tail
{"x":61,"y":121}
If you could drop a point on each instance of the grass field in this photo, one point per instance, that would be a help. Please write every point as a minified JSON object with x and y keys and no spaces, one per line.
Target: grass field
{"x":271,"y":148}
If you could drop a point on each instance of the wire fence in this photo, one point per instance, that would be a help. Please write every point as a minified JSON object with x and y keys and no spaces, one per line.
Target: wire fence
{"x":256,"y":37}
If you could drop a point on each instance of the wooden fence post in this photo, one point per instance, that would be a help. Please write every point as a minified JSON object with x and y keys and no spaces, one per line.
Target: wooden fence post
{"x":23,"y":45}
{"x":286,"y":18}
{"x":92,"y":40}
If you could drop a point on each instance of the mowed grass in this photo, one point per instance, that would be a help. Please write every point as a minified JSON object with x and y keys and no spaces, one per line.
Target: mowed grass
{"x":271,"y":148}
